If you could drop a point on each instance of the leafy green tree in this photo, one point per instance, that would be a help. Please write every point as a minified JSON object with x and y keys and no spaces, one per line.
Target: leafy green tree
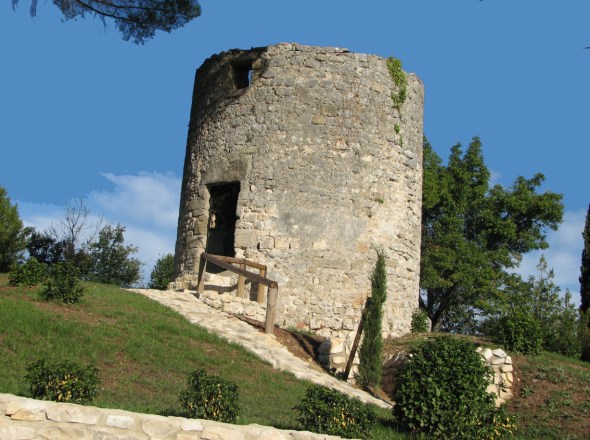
{"x":12,"y":233}
{"x":135,"y":19}
{"x":110,"y":260}
{"x":45,"y":248}
{"x":370,"y":354}
{"x":163,"y":273}
{"x":472,"y":235}
{"x":538,"y":300}
{"x":567,"y":339}
{"x":585,"y":267}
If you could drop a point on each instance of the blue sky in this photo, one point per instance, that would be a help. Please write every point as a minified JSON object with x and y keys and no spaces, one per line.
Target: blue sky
{"x":85,"y":114}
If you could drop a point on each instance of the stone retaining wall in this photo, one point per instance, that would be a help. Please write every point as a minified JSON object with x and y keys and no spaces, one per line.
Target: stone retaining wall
{"x":28,"y":419}
{"x":497,"y":360}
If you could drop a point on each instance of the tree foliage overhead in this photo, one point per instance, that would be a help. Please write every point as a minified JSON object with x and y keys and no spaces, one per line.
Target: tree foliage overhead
{"x":136,"y":19}
{"x":472,"y":235}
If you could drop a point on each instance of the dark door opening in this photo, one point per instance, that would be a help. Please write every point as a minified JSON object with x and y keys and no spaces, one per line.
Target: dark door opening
{"x":223,"y":203}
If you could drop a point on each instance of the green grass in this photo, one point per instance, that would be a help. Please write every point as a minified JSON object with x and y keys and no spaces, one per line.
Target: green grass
{"x":144,"y":351}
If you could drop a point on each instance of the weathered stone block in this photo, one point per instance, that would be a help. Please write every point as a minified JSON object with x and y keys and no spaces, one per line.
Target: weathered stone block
{"x":158,"y":426}
{"x":73,"y":414}
{"x":119,"y":421}
{"x":32,"y":414}
{"x":246,"y":238}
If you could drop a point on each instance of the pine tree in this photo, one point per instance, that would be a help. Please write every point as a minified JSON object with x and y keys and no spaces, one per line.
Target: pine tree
{"x":585,"y":267}
{"x":370,"y":354}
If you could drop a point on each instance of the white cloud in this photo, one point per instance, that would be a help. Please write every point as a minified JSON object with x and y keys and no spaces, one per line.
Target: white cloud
{"x":146,"y":204}
{"x":146,"y":198}
{"x":563,"y":255}
{"x":495,"y":177}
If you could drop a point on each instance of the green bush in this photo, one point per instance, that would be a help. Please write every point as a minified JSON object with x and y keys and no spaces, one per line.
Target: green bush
{"x":64,"y":283}
{"x":441,"y":393}
{"x":62,"y":382}
{"x":163,"y":273}
{"x":419,"y":321}
{"x":29,"y":273}
{"x":584,"y":334}
{"x":210,"y":397}
{"x":327,"y":411}
{"x":518,"y":331}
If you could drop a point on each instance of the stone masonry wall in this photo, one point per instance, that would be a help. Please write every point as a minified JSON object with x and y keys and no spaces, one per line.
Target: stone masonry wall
{"x":28,"y":419}
{"x":328,"y":172}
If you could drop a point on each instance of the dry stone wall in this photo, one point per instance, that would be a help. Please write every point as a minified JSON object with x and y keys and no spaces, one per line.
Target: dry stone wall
{"x":28,"y":419}
{"x":322,"y":169}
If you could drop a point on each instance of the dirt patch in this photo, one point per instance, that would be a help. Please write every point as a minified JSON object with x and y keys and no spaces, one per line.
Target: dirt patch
{"x":551,"y":399}
{"x":302,"y":345}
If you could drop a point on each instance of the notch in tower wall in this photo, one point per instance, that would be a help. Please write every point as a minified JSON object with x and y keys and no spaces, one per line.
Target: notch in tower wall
{"x":242,"y":74}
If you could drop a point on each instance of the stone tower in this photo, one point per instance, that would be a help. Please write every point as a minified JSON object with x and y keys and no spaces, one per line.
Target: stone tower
{"x":308,"y":167}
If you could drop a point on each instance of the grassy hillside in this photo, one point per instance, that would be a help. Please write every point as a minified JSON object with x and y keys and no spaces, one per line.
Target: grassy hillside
{"x":145,"y":352}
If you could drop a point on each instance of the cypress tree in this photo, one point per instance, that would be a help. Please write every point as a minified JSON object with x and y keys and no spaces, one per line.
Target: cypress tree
{"x":585,"y":267}
{"x":370,"y":354}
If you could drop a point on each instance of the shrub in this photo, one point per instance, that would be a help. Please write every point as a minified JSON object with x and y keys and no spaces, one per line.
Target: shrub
{"x":163,"y":273}
{"x":442,"y":393}
{"x":518,"y":331}
{"x":584,"y":334}
{"x":110,"y":261}
{"x":370,"y":354}
{"x":62,"y":382}
{"x":327,"y":411}
{"x":29,"y":273}
{"x":64,"y":283}
{"x":210,"y":397}
{"x":419,"y":321}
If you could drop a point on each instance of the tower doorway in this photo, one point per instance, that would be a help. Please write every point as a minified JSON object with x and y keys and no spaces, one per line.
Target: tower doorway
{"x":223,"y":203}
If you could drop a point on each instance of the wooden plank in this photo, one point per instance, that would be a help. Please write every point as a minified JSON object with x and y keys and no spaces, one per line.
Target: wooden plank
{"x":271,"y":306}
{"x":260,"y":296}
{"x":248,"y":275}
{"x":241,"y":284}
{"x":240,"y":261}
{"x":355,"y":345}
{"x":202,"y":272}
